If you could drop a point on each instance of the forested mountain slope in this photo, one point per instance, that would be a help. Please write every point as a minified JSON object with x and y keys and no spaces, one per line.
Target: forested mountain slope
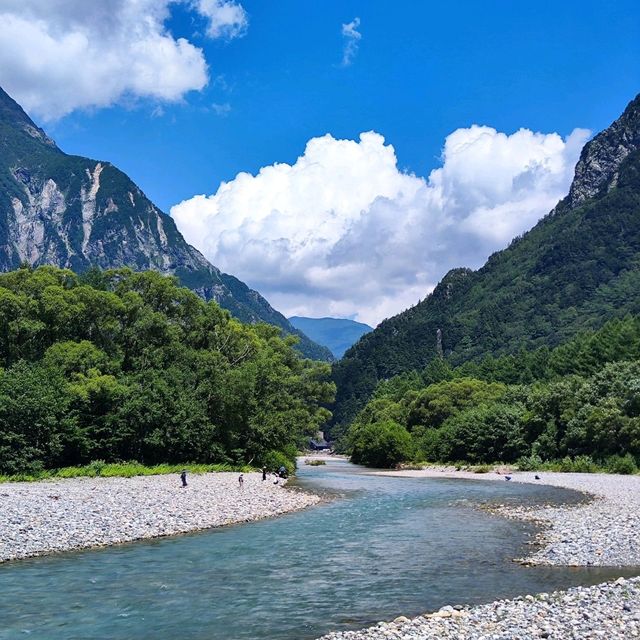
{"x":73,"y":212}
{"x":577,"y":268}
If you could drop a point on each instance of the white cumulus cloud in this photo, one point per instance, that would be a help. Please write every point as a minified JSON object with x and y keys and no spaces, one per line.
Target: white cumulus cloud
{"x":61,"y":55}
{"x":344,"y":232}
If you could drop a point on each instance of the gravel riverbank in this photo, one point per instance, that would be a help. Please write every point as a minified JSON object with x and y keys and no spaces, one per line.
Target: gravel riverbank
{"x":39,"y":518}
{"x":610,"y":610}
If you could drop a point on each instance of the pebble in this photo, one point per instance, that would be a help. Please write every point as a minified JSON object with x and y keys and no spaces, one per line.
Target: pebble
{"x":603,"y":531}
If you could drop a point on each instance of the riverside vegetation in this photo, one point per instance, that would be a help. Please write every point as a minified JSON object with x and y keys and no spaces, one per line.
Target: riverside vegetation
{"x":119,"y":366}
{"x":571,"y":408}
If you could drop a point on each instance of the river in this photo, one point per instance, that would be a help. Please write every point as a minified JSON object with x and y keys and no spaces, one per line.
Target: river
{"x":378,"y":548}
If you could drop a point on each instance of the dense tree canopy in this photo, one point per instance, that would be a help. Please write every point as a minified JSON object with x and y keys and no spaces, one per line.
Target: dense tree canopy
{"x":119,"y":365}
{"x":580,"y":399}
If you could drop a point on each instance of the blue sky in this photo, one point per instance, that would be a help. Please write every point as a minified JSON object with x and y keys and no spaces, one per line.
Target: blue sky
{"x":254,"y":82}
{"x":423,"y":69}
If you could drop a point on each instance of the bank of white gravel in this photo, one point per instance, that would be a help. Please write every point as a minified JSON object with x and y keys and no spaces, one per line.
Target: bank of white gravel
{"x":609,"y":610}
{"x":602,"y":531}
{"x":38,"y":518}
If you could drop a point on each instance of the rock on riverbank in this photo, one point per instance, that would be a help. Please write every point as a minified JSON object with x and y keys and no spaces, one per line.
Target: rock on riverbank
{"x":610,"y":610}
{"x":47,"y":517}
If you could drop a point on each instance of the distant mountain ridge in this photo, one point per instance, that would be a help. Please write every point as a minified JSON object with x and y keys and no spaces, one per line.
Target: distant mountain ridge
{"x":75,"y":212}
{"x":577,"y":268}
{"x":338,"y":334}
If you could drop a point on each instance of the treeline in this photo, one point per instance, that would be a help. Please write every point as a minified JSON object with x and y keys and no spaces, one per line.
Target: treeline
{"x":120,"y":366}
{"x":581,"y":399}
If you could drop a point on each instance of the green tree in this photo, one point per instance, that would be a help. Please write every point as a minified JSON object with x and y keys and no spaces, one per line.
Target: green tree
{"x":380,"y":444}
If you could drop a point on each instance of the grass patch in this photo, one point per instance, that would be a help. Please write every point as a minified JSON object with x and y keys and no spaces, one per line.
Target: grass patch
{"x":581,"y":464}
{"x":482,"y":468}
{"x":102,"y":469}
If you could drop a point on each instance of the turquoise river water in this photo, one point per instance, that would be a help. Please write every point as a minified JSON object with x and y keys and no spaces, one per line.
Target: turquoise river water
{"x":379,"y":548}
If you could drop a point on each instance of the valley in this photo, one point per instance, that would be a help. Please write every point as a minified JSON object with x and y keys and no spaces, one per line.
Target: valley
{"x":357,"y":354}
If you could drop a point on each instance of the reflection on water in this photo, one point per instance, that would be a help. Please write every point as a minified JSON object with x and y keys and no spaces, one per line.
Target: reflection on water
{"x":382,"y":547}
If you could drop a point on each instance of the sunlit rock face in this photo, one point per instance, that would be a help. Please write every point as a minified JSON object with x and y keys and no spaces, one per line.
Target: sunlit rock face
{"x":75,"y":212}
{"x":600,"y":159}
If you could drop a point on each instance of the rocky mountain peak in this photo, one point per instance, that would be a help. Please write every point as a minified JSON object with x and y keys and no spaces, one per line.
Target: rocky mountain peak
{"x":600,"y":159}
{"x":12,"y":114}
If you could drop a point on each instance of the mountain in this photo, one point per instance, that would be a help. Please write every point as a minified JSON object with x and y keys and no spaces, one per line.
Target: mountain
{"x":577,"y":268}
{"x":338,"y":334}
{"x":75,"y":212}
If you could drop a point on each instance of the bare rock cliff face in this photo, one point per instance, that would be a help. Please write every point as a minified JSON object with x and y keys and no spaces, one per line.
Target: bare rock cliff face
{"x":600,"y":159}
{"x":75,"y":212}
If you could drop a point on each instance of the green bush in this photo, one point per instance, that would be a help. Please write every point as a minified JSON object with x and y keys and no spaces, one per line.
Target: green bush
{"x":624,"y":465}
{"x":529,"y":463}
{"x":381,"y":444}
{"x":483,"y":468}
{"x":579,"y":464}
{"x":428,"y":443}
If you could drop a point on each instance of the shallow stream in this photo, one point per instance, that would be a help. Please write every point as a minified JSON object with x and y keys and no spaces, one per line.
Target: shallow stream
{"x":380,"y":547}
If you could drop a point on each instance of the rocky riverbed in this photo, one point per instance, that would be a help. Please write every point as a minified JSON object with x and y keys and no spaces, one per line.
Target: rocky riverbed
{"x":47,"y":517}
{"x":602,"y":531}
{"x":610,"y":610}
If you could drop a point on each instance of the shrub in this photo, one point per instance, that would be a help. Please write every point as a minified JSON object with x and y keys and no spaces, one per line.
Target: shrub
{"x":428,"y":443}
{"x":380,"y":444}
{"x":579,"y":464}
{"x":529,"y":463}
{"x":624,"y":465}
{"x":483,"y":468}
{"x":273,"y":460}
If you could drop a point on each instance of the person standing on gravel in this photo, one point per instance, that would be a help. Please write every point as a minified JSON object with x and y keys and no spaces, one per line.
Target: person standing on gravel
{"x":264,"y":473}
{"x":183,"y":477}
{"x":241,"y":481}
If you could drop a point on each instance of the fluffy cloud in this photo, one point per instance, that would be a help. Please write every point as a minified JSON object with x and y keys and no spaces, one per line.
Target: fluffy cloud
{"x":61,"y":55}
{"x":227,"y":19}
{"x":351,"y":37}
{"x":344,"y":232}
